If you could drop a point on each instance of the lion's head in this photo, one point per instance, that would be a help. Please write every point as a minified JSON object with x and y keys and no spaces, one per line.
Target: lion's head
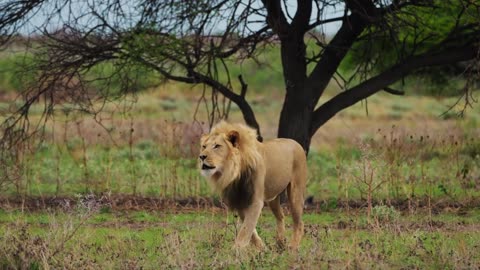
{"x":226,"y":152}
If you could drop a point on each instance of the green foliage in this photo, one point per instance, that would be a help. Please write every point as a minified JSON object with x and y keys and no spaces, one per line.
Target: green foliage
{"x":434,"y":81}
{"x":380,"y":49}
{"x":15,"y":75}
{"x":109,"y":79}
{"x":437,"y":24}
{"x":262,"y":74}
{"x":119,"y":77}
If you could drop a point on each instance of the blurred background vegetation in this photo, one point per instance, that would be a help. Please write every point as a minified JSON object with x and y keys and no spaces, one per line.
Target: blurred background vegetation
{"x":264,"y":72}
{"x":412,"y":147}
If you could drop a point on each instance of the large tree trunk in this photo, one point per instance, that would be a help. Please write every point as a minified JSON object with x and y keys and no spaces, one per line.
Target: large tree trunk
{"x":297,"y":110}
{"x":295,"y":120}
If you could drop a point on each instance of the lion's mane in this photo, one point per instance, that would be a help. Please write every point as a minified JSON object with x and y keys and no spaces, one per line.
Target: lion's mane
{"x":240,"y":164}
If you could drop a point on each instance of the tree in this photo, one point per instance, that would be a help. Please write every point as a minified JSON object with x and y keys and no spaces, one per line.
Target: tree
{"x":192,"y":41}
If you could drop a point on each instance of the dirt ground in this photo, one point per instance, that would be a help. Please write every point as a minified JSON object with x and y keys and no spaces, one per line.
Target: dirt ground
{"x":137,"y":203}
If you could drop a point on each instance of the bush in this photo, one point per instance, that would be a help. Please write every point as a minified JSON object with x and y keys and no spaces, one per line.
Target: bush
{"x":385,"y":214}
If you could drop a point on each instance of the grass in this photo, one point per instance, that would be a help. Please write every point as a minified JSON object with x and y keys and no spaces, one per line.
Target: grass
{"x":417,"y":157}
{"x":203,"y":239}
{"x":398,"y":168}
{"x":140,"y":171}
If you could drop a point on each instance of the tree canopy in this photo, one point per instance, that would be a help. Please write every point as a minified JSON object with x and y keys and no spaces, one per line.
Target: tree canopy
{"x":383,"y":41}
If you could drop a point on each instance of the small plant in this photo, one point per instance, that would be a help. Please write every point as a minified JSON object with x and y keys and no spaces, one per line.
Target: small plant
{"x":366,"y":176}
{"x":385,"y":214}
{"x":471,"y":148}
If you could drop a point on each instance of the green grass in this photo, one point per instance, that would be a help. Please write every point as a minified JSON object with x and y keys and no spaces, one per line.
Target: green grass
{"x":152,"y":240}
{"x":408,"y":169}
{"x":418,"y":157}
{"x":143,"y":171}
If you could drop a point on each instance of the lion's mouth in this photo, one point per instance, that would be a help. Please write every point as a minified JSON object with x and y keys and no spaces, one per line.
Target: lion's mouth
{"x":206,"y":167}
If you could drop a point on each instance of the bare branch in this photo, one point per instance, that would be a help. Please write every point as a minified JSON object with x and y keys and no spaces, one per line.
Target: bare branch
{"x":326,"y":21}
{"x":13,"y":15}
{"x":247,"y":111}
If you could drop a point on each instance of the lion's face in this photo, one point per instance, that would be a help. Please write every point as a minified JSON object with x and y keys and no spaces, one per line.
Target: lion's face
{"x":215,"y":154}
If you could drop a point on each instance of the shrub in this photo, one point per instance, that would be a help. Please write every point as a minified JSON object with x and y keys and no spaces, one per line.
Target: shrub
{"x":385,"y":214}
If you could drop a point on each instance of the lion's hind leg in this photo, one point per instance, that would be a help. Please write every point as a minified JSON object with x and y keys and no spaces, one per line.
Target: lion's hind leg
{"x":296,"y":201}
{"x":278,"y":213}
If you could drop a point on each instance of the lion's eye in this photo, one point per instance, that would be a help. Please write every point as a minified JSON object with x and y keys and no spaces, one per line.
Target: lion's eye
{"x":204,"y":146}
{"x":216,"y":146}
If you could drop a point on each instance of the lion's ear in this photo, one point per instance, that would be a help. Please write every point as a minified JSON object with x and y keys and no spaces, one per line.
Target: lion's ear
{"x":233,"y":137}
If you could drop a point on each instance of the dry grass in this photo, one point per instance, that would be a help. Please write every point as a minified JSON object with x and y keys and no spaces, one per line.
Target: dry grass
{"x":150,"y":149}
{"x":96,"y":238}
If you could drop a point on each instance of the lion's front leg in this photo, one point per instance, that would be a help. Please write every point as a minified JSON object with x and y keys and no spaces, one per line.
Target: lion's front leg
{"x":256,"y":240}
{"x":247,"y":233}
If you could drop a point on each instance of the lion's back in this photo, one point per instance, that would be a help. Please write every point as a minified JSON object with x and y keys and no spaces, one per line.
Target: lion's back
{"x":284,"y":148}
{"x":284,"y":158}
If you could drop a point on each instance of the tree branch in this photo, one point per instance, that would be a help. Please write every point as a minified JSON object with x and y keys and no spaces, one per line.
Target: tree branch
{"x":13,"y":15}
{"x":362,"y":91}
{"x":248,"y":114}
{"x":393,"y":91}
{"x":302,"y":16}
{"x":320,"y":22}
{"x":241,"y":44}
{"x":275,"y":17}
{"x":333,"y":54}
{"x":364,"y":14}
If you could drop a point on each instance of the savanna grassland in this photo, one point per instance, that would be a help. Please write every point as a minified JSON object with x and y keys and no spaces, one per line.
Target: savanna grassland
{"x":393,"y":183}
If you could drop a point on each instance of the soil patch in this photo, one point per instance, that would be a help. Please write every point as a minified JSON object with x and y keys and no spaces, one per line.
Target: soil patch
{"x":136,"y":203}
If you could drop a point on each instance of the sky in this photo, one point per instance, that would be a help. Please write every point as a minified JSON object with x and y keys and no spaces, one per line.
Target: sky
{"x":36,"y":22}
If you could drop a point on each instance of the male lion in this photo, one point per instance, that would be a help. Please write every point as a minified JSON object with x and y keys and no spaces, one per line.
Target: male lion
{"x":248,"y":173}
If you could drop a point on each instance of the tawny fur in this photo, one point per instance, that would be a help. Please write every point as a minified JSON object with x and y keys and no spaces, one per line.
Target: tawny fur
{"x":275,"y":166}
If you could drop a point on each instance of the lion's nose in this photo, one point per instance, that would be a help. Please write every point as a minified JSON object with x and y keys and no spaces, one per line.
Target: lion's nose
{"x":202,"y":157}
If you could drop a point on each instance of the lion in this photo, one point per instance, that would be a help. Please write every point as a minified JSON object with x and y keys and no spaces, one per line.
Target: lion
{"x":248,"y":174}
